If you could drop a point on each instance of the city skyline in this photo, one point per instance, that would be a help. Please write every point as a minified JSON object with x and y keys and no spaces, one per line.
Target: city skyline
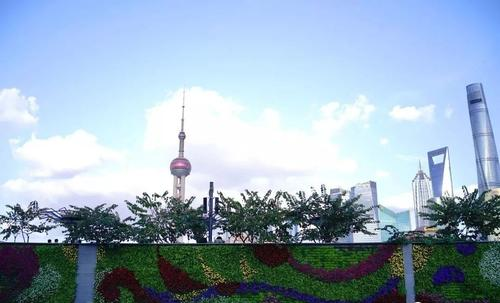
{"x":318,"y":93}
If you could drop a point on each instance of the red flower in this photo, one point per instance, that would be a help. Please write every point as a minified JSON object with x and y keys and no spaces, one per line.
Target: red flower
{"x":122,"y":277}
{"x":363,"y":268}
{"x":175,"y":279}
{"x":270,"y":254}
{"x":227,"y":289}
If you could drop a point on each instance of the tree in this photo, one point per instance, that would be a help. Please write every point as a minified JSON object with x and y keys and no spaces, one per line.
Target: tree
{"x":22,"y":222}
{"x":101,"y":224}
{"x":471,"y":217}
{"x":257,"y":219}
{"x":163,"y":219}
{"x":322,"y":218}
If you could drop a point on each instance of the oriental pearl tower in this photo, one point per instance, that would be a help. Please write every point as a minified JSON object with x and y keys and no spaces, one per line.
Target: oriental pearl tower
{"x":180,"y":167}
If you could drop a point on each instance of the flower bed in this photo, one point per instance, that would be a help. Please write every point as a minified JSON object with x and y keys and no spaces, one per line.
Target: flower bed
{"x":245,"y":273}
{"x":36,"y":273}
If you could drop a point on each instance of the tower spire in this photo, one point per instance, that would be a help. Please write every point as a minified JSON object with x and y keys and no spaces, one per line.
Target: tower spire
{"x":182,"y":134}
{"x":180,"y":167}
{"x":419,"y":165}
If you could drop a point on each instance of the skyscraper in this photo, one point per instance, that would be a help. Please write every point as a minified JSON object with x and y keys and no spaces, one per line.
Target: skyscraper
{"x":440,"y":172}
{"x":368,"y":197}
{"x":180,"y":167}
{"x":488,"y":167}
{"x":422,"y":192}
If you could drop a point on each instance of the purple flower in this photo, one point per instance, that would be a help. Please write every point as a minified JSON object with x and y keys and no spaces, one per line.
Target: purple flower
{"x":448,"y":274}
{"x":466,"y":249}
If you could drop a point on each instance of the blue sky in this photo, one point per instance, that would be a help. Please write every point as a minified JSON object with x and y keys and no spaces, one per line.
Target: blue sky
{"x":279,"y":94}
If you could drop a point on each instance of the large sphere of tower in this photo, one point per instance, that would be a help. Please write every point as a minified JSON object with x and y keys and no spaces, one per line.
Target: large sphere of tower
{"x":180,"y":167}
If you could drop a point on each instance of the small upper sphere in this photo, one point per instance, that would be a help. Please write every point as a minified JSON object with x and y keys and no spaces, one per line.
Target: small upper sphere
{"x":180,"y":167}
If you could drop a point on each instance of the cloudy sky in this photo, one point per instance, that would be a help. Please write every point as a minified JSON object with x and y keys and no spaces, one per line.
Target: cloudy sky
{"x":279,"y":94}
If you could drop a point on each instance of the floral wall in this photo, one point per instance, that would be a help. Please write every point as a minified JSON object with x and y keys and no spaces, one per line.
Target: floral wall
{"x":246,"y":273}
{"x":462,"y":272}
{"x":39,"y":273}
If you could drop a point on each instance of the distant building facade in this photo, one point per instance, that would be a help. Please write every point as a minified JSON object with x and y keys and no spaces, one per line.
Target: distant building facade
{"x":400,"y":220}
{"x":368,"y":197}
{"x":440,"y":172}
{"x":488,"y":167}
{"x":422,"y":192}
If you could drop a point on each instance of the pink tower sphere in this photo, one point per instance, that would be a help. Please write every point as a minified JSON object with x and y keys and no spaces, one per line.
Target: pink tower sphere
{"x":180,"y":167}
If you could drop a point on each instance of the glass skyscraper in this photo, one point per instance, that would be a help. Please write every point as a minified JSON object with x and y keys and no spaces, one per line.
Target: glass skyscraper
{"x":422,"y":192}
{"x":400,"y":220}
{"x":488,"y":167}
{"x":368,"y":197}
{"x":440,"y":172}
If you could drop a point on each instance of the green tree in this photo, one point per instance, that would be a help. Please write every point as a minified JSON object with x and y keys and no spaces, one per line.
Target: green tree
{"x":163,"y":219}
{"x":18,"y":221}
{"x":255,"y":219}
{"x":324,"y":219}
{"x":471,"y":217}
{"x":101,"y":224}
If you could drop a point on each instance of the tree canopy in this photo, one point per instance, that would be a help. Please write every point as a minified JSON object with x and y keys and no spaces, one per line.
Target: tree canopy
{"x":471,"y":217}
{"x":101,"y":224}
{"x":164,"y":219}
{"x":326,"y":219}
{"x":18,"y":221}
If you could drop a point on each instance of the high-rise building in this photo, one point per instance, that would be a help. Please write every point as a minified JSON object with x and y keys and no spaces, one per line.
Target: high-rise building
{"x":488,"y":167}
{"x":180,"y":167}
{"x":400,"y":220}
{"x":440,"y":172}
{"x":368,"y":197}
{"x":422,"y":192}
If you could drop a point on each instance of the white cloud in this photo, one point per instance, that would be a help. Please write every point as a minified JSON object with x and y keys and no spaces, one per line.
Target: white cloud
{"x":384,"y":141}
{"x":448,"y":112}
{"x":412,"y":113}
{"x":16,"y":108}
{"x":335,"y":115}
{"x":382,"y":174}
{"x":398,"y":202}
{"x":62,"y":156}
{"x":410,"y":158}
{"x":223,"y":144}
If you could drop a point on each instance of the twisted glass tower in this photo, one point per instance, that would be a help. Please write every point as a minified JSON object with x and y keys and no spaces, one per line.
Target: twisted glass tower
{"x":488,"y":168}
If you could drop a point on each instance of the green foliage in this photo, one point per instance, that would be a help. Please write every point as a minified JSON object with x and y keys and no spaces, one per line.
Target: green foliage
{"x":324,"y":219}
{"x":164,"y":219}
{"x":469,"y":218}
{"x":101,"y":224}
{"x":255,"y":219}
{"x":18,"y":221}
{"x":490,"y":264}
{"x":43,"y":286}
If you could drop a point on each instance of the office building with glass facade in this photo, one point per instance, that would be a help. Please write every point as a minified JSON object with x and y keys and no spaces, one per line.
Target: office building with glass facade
{"x":368,"y":197}
{"x":400,"y":220}
{"x":422,"y":192}
{"x":488,"y":167}
{"x":440,"y":172}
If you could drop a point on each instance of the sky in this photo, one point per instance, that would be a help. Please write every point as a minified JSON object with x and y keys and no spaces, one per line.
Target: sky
{"x":281,"y":95}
